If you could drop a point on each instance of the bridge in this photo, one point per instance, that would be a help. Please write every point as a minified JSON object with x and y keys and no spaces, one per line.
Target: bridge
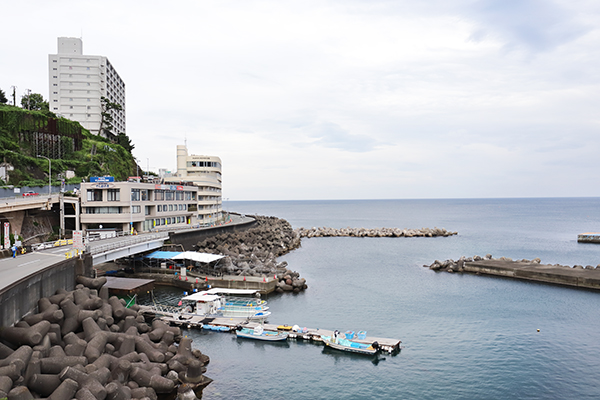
{"x":31,"y":276}
{"x":14,"y":208}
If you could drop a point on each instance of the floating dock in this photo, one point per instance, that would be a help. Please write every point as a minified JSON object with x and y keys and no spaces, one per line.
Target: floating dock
{"x":391,"y":346}
{"x":589,"y":237}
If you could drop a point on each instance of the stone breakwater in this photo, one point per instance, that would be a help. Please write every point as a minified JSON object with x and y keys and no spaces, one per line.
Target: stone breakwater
{"x":376,"y":232}
{"x":254,"y":252}
{"x":86,"y":345}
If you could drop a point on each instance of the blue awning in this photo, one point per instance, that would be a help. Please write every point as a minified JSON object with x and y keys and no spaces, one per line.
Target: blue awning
{"x":163,"y":255}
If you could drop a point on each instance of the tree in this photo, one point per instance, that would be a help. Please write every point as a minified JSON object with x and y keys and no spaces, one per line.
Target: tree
{"x":125,"y":142}
{"x":106,"y":120}
{"x":3,"y":99}
{"x":34,"y":101}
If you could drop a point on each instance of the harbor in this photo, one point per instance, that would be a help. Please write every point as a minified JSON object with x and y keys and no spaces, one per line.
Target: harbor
{"x":216,"y":310}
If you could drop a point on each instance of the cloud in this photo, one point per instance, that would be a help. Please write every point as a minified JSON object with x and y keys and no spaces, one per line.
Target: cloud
{"x":533,"y":25}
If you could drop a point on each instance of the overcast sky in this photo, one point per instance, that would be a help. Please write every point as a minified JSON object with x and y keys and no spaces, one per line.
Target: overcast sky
{"x":348,"y":99}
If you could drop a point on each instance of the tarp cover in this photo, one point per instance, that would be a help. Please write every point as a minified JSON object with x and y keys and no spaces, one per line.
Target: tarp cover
{"x":201,"y":297}
{"x":200,"y":257}
{"x":163,"y":255}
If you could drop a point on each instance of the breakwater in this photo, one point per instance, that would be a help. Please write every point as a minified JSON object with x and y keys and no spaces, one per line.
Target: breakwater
{"x":253,"y":252}
{"x":376,"y":232}
{"x":84,"y":344}
{"x":578,"y":275}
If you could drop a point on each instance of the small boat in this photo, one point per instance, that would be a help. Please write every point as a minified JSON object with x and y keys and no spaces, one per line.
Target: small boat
{"x":342,"y":344}
{"x":258,"y":333}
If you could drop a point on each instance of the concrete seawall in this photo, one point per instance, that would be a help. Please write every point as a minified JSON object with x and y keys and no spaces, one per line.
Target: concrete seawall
{"x":22,"y":297}
{"x":561,"y":275}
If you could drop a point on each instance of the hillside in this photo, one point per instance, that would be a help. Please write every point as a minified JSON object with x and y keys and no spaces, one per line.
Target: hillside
{"x":25,"y":134}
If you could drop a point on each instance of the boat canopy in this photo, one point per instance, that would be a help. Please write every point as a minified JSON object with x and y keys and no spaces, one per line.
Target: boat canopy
{"x":229,"y":291}
{"x":200,"y":296}
{"x":199,"y":257}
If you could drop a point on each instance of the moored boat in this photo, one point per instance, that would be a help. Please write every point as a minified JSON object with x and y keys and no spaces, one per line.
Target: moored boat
{"x":258,"y":333}
{"x":351,"y":346}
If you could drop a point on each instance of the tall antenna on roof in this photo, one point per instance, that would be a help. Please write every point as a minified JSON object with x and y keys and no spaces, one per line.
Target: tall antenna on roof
{"x":185,"y":140}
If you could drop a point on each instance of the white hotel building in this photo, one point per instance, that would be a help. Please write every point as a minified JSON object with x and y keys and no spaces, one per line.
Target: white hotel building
{"x":203,"y":172}
{"x":78,"y":81}
{"x":189,"y":198}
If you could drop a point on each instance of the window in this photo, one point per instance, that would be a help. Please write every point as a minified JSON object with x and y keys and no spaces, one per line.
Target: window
{"x":136,"y":209}
{"x":147,"y":210}
{"x":54,"y":69}
{"x":89,"y":115}
{"x":179,"y":195}
{"x":170,"y":207}
{"x":56,"y":101}
{"x":159,"y":195}
{"x":89,"y":84}
{"x":54,"y":84}
{"x":55,"y":77}
{"x":71,"y":107}
{"x":103,"y":210}
{"x":144,"y":194}
{"x":89,"y":107}
{"x":135,"y":194}
{"x":94,"y":194}
{"x":54,"y":60}
{"x":56,"y":108}
{"x":169,"y":195}
{"x":70,"y":99}
{"x":158,"y":208}
{"x":88,"y":68}
{"x":55,"y":92}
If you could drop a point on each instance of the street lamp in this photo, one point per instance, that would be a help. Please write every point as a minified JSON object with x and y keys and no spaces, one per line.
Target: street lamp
{"x":49,"y":174}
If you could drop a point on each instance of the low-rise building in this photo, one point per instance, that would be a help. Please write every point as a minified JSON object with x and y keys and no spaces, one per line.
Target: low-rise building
{"x":138,"y":206}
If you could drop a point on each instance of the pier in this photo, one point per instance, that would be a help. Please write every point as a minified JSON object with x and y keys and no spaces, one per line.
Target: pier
{"x":391,"y":346}
{"x":589,"y":237}
{"x":578,"y":276}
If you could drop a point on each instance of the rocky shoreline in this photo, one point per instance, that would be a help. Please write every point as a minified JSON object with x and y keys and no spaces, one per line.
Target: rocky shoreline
{"x":83,"y":344}
{"x":376,"y":232}
{"x":254,"y":252}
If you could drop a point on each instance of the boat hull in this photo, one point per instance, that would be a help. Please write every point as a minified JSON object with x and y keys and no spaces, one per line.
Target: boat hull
{"x":359,"y":349}
{"x":266,"y":335}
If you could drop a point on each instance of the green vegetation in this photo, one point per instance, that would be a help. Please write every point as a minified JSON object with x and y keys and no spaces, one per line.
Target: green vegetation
{"x":23,"y":136}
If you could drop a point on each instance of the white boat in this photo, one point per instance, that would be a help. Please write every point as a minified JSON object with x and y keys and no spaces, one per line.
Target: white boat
{"x":351,"y":346}
{"x":231,"y":304}
{"x":258,"y":333}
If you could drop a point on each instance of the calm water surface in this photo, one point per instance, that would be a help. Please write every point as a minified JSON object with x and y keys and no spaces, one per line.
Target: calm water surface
{"x":465,"y":336}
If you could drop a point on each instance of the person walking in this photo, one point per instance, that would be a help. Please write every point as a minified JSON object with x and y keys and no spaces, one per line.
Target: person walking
{"x":14,"y":250}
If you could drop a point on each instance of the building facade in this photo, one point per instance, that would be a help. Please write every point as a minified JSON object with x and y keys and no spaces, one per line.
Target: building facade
{"x":204,"y":172}
{"x":77,"y":82}
{"x":142,"y":206}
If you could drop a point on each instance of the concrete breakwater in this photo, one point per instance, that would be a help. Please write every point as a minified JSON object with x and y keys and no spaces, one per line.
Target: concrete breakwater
{"x":376,"y":232}
{"x":254,"y":252}
{"x":579,"y":276}
{"x":84,"y":344}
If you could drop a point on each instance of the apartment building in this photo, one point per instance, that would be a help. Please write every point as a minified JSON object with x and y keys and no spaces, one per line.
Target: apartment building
{"x":78,"y":81}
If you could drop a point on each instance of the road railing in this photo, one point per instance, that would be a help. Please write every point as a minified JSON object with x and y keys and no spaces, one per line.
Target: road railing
{"x":127,"y":242}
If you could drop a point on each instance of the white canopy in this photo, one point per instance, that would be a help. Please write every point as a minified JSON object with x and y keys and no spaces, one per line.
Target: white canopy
{"x":200,"y":257}
{"x":229,"y":291}
{"x":201,"y":297}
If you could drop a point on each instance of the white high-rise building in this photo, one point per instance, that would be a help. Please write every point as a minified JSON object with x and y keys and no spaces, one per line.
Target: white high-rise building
{"x":77,"y":83}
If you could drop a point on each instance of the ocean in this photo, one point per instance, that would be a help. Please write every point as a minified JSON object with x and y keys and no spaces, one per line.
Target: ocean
{"x":464,"y":336}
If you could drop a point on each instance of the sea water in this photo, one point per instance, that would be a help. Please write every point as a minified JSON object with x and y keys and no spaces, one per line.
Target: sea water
{"x":464,"y":336}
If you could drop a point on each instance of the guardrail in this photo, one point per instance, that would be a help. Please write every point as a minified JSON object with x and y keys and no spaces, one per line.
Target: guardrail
{"x":127,"y":242}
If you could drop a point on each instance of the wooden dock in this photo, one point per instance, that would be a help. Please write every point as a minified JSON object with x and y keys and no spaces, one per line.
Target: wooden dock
{"x":391,"y":346}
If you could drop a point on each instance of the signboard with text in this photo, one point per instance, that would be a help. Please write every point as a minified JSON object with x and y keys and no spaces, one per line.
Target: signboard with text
{"x":78,"y":240}
{"x":102,"y":179}
{"x":6,"y":235}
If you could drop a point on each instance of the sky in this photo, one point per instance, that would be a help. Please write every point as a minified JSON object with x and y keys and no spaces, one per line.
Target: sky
{"x":344,"y":99}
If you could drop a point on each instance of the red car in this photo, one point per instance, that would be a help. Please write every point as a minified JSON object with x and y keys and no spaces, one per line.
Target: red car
{"x":30,"y":193}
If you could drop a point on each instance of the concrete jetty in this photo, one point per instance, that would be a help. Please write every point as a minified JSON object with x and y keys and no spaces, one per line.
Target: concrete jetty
{"x":589,"y":237}
{"x":587,"y":277}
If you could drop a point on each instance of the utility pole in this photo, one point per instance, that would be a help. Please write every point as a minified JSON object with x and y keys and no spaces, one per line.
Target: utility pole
{"x":14,"y":88}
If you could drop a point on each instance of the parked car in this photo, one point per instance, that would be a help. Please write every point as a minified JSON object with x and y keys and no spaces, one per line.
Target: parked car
{"x":30,"y":193}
